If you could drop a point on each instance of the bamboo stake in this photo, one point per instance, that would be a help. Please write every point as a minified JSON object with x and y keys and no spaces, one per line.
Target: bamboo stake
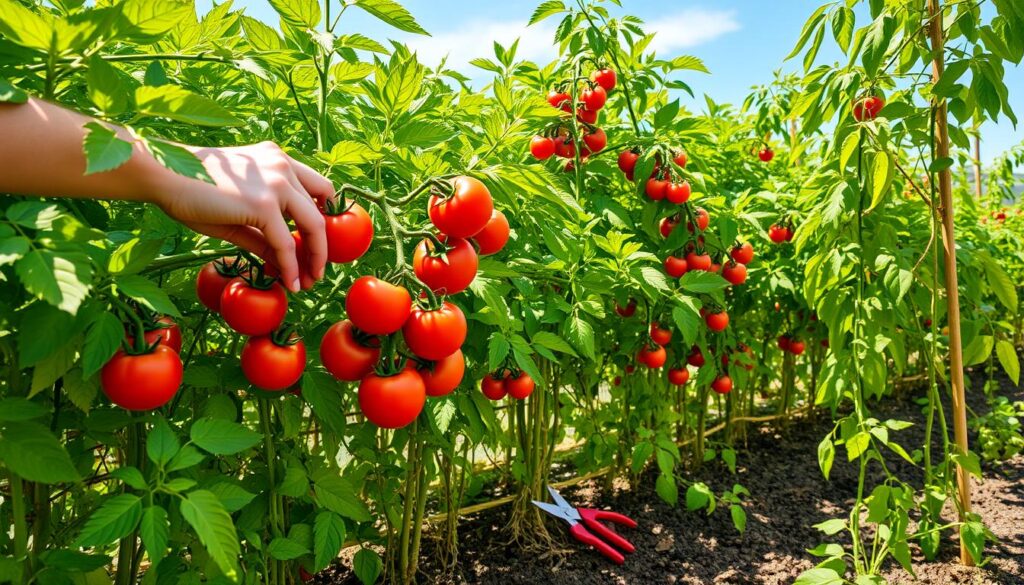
{"x":952,"y":291}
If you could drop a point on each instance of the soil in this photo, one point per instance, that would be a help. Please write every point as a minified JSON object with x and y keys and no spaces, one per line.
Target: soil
{"x":788,"y":495}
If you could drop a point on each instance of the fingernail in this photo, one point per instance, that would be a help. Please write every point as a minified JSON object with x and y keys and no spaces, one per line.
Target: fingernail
{"x":295,"y":285}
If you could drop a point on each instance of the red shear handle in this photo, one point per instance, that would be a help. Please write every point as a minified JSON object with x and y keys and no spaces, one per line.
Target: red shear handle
{"x":580,"y":533}
{"x":591,"y":519}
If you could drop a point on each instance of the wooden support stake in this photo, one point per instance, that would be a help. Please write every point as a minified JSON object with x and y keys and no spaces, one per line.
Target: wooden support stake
{"x":956,"y":362}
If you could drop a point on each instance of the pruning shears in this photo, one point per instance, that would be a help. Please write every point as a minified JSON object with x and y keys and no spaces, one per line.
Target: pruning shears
{"x":586,"y":526}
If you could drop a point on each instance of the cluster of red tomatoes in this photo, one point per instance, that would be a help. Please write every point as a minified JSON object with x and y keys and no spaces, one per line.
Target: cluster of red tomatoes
{"x":392,"y":393}
{"x":791,"y":344}
{"x":559,"y":140}
{"x":781,"y":232}
{"x":507,"y":381}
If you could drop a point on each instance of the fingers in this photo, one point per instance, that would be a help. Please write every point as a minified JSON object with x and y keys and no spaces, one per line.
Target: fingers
{"x":310,"y":223}
{"x":318,"y":186}
{"x":275,"y":230}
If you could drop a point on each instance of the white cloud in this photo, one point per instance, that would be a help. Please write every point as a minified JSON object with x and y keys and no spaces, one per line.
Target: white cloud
{"x":690,"y":28}
{"x":476,"y":39}
{"x":681,"y":30}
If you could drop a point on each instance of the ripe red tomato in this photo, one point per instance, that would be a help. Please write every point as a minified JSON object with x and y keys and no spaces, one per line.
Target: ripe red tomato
{"x":450,"y":273}
{"x":667,"y":225}
{"x":778,"y":233}
{"x":722,"y":384}
{"x":652,"y":357}
{"x":796,"y":347}
{"x":680,"y":159}
{"x":142,"y":382}
{"x":604,"y":77}
{"x":717,"y":321}
{"x":521,"y":386}
{"x":868,"y":108}
{"x":675,"y":266}
{"x":678,"y":193}
{"x":253,"y":311}
{"x":617,"y":381}
{"x":742,"y":253}
{"x":542,"y":147}
{"x":765,"y":154}
{"x":434,"y":335}
{"x":783,"y":342}
{"x":585,"y":115}
{"x":349,"y":234}
{"x":270,"y":366}
{"x":630,"y":369}
{"x":695,"y":261}
{"x":443,"y":376}
{"x":560,"y":99}
{"x":594,"y":98}
{"x":376,"y":306}
{"x":565,"y":147}
{"x":466,"y":212}
{"x":212,"y":279}
{"x":735,"y":273}
{"x":595,"y":140}
{"x":494,"y":236}
{"x":627,"y":161}
{"x":656,"y":189}
{"x":492,"y":387}
{"x":678,"y":376}
{"x":626,"y":311}
{"x":348,"y":354}
{"x":696,"y":358}
{"x":392,"y":402}
{"x":169,"y":335}
{"x":660,"y":335}
{"x":702,"y":218}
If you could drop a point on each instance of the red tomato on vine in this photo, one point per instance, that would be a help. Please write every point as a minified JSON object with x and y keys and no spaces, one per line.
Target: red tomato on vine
{"x":542,"y":147}
{"x":348,"y":354}
{"x":377,"y":306}
{"x":520,"y":386}
{"x":765,"y":154}
{"x":349,"y":234}
{"x":142,"y":382}
{"x":605,"y":78}
{"x":868,"y":108}
{"x":660,"y":335}
{"x":494,"y":236}
{"x":493,"y":387}
{"x":442,"y":377}
{"x":652,"y":357}
{"x":392,"y":402}
{"x":437,"y":334}
{"x":212,"y":279}
{"x":742,"y":253}
{"x":450,"y":272}
{"x":594,"y":98}
{"x":252,"y":310}
{"x":717,"y":321}
{"x":678,"y":193}
{"x":735,"y":273}
{"x":675,"y":266}
{"x":722,"y":384}
{"x":465,"y":212}
{"x":271,"y":366}
{"x":678,"y":376}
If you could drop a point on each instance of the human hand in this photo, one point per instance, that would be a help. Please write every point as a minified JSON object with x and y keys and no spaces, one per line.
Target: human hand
{"x":256,"y":188}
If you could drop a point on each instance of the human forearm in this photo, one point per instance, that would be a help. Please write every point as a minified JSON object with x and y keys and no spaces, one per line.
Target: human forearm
{"x":41,"y":146}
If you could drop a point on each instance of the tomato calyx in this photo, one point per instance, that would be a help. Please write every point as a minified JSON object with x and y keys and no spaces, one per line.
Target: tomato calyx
{"x":236,"y":267}
{"x":285,"y":335}
{"x":339,"y":206}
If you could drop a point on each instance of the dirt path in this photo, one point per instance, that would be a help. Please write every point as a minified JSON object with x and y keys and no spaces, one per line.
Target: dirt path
{"x":788,"y":496}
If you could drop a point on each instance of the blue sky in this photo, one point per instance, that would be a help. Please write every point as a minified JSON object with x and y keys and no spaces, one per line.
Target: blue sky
{"x":741,"y":41}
